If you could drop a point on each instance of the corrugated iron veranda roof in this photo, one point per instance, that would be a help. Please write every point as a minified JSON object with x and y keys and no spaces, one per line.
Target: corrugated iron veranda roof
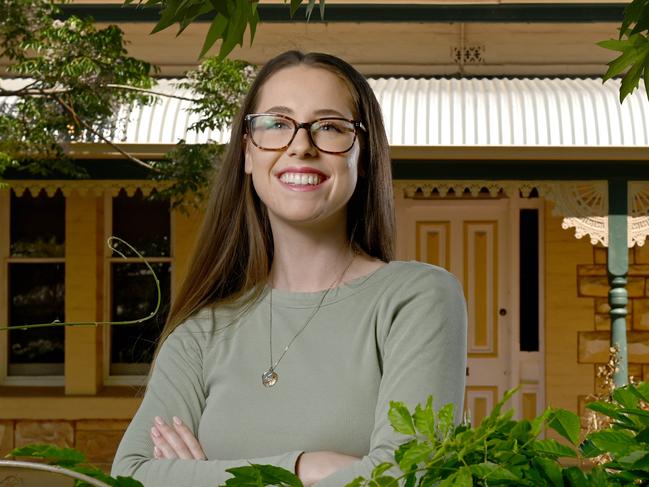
{"x":442,"y":112}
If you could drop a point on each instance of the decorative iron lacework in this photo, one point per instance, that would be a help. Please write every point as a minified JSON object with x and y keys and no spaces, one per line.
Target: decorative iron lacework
{"x":582,"y":204}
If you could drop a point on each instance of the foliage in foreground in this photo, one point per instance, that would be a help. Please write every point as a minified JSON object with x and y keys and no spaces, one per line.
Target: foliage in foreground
{"x":72,"y":460}
{"x":633,"y":44}
{"x":500,"y":451}
{"x":232,"y":19}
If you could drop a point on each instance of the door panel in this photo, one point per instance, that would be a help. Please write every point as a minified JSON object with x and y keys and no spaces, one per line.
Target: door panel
{"x":468,"y":238}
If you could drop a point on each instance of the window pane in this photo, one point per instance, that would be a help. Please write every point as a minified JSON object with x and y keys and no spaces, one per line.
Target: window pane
{"x":529,"y":280}
{"x":143,"y":224}
{"x":36,"y":295}
{"x":134,"y":297}
{"x":37,"y":225}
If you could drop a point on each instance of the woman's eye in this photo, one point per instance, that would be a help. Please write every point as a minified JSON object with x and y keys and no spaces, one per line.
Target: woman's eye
{"x":278,"y":124}
{"x":329,"y":127}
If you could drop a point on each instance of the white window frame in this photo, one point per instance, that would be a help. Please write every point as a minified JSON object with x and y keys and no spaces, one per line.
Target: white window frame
{"x":5,"y":261}
{"x":124,"y":380}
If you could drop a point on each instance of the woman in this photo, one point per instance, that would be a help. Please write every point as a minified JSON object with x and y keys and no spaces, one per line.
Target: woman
{"x":294,"y":328}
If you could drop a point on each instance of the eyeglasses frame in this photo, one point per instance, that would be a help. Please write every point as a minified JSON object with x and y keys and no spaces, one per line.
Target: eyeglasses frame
{"x":303,"y":125}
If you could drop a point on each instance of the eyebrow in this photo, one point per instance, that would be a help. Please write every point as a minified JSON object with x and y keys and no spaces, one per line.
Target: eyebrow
{"x":317,"y":113}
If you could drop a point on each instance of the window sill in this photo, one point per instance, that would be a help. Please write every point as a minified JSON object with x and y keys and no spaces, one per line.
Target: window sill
{"x":46,"y":403}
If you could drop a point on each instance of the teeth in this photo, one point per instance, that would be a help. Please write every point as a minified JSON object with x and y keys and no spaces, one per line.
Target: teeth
{"x":300,"y":178}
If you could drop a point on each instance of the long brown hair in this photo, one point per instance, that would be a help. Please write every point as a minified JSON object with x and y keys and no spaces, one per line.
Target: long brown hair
{"x":234,"y":248}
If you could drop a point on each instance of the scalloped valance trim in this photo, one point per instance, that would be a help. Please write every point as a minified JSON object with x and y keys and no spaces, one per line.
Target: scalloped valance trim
{"x":83,"y":187}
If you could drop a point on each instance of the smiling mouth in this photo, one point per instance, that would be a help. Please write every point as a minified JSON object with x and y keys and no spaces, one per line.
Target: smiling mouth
{"x":301,"y":179}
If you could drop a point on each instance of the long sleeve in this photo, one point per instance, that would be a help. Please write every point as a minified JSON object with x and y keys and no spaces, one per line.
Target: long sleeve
{"x":422,"y":341}
{"x":177,"y":388}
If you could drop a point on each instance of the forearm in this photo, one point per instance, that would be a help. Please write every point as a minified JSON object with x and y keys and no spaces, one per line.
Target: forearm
{"x":313,"y":467}
{"x":195,"y":473}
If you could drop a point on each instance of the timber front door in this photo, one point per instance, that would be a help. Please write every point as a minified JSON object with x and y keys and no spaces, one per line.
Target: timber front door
{"x":470,"y":239}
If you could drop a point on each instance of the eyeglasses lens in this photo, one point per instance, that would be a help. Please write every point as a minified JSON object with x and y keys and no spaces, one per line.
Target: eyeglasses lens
{"x":330,"y":135}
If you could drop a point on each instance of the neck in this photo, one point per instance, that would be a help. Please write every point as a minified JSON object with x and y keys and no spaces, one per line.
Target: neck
{"x":309,"y":261}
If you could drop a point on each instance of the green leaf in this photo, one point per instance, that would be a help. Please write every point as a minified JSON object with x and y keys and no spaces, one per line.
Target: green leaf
{"x":538,"y":422}
{"x":272,"y":475}
{"x":461,"y":478}
{"x":357,"y":482}
{"x":380,"y":468}
{"x":415,"y":455}
{"x":635,"y":459}
{"x":492,"y":472}
{"x":598,"y":478}
{"x":64,"y":457}
{"x":618,"y":442}
{"x":120,"y":481}
{"x":401,"y":451}
{"x":445,"y":419}
{"x":613,"y":44}
{"x":575,"y":477}
{"x":643,"y":436}
{"x":385,"y":481}
{"x":217,"y":27}
{"x":553,"y":448}
{"x":632,"y":54}
{"x":589,"y":450}
{"x":295,"y":5}
{"x":642,"y":389}
{"x":309,"y":9}
{"x":550,"y":470}
{"x":424,"y":419}
{"x":400,"y":418}
{"x":168,"y":16}
{"x":567,"y":424}
{"x":623,"y":395}
{"x":646,"y":87}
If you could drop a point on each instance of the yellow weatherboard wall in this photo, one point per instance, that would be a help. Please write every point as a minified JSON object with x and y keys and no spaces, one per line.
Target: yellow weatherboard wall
{"x":565,"y":315}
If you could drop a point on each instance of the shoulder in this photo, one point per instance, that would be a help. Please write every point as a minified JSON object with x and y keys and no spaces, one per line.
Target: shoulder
{"x":412,"y":277}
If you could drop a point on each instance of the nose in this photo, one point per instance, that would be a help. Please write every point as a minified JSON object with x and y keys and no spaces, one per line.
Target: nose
{"x":302,"y":145}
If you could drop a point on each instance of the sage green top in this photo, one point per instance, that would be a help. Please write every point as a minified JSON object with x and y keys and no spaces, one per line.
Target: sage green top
{"x":398,"y":334}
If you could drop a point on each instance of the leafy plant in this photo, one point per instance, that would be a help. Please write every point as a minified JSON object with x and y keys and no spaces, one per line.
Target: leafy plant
{"x":72,"y":460}
{"x":500,"y":451}
{"x":633,"y":44}
{"x":497,"y":452}
{"x":77,"y":78}
{"x":231,"y":18}
{"x":622,"y":449}
{"x":70,"y":66}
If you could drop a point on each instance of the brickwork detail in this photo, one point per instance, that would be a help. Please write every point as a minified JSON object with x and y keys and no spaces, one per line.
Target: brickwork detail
{"x":97,"y":439}
{"x":592,"y":282}
{"x":6,"y":437}
{"x":59,"y":433}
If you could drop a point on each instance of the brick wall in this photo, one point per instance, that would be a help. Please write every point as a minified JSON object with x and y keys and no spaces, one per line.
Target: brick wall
{"x":592,"y":282}
{"x":97,"y":439}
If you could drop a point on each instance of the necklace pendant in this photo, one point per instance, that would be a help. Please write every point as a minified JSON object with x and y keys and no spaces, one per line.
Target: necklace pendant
{"x":269,"y":378}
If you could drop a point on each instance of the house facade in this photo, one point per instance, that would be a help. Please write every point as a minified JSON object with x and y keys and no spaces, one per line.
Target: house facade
{"x":504,"y":143}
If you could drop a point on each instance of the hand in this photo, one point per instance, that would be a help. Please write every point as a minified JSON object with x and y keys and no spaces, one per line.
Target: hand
{"x":176,"y":442}
{"x":312,"y":467}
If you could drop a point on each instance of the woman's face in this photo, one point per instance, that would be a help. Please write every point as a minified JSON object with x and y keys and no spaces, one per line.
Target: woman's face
{"x":302,"y":185}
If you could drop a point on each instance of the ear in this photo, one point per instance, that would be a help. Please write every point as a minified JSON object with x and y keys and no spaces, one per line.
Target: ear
{"x":247,"y":156}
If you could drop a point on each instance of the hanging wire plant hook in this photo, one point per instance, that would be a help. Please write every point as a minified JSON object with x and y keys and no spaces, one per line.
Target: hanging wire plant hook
{"x":111,"y":246}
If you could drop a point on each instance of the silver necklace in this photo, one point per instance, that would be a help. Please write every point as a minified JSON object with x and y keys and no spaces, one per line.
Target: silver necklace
{"x":270,"y":377}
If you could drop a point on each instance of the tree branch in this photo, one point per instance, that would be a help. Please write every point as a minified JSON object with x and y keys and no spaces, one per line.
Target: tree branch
{"x":130,"y":157}
{"x":25,"y":91}
{"x":151,"y":92}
